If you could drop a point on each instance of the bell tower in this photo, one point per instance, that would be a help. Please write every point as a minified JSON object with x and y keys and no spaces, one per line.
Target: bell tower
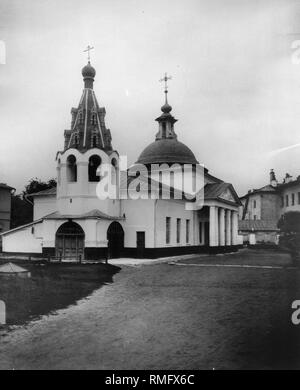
{"x":87,"y":149}
{"x":88,"y":128}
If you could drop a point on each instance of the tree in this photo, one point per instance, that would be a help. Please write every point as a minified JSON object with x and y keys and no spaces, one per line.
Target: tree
{"x":36,"y":185}
{"x":289,"y":225}
{"x":22,"y":204}
{"x":21,"y":211}
{"x":290,"y":222}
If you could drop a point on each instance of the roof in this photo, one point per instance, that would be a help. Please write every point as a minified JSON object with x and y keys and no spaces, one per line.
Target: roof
{"x":216,"y":190}
{"x":22,"y":227}
{"x":88,"y":129}
{"x":3,"y":185}
{"x":93,"y":214}
{"x":268,"y":188}
{"x":11,"y":268}
{"x":258,"y":225}
{"x":167,"y":151}
{"x":47,"y":192}
{"x":291,"y":183}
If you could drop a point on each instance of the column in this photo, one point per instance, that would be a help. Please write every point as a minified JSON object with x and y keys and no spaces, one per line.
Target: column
{"x":222,"y":227}
{"x":62,"y":187}
{"x":213,"y":227}
{"x":234,"y":227}
{"x":83,"y":177}
{"x":228,"y":227}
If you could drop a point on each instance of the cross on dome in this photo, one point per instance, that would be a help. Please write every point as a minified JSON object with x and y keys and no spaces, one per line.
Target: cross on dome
{"x":165,"y":79}
{"x":88,"y":49}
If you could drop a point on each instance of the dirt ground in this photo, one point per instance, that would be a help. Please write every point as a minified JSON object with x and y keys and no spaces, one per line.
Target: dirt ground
{"x":164,"y":316}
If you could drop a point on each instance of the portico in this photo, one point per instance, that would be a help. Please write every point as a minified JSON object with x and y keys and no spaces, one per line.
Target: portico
{"x":223,"y":226}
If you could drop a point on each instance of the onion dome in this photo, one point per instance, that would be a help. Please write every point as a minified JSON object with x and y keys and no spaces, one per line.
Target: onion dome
{"x":166,"y":108}
{"x":88,"y":71}
{"x":166,"y":148}
{"x":167,"y":151}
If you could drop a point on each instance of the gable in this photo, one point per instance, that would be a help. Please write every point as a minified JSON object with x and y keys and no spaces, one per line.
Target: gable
{"x":221,"y":191}
{"x":227,"y":195}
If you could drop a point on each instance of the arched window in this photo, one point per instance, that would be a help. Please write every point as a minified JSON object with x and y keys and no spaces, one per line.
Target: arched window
{"x":164,"y":130}
{"x":115,"y":175}
{"x":76,"y":141}
{"x":71,"y":169}
{"x":93,"y":119}
{"x":94,"y":163}
{"x":94,"y":141}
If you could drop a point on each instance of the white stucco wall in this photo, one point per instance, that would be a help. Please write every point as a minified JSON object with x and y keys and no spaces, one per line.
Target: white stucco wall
{"x":139,"y":218}
{"x":44,"y":205}
{"x":288,"y":192}
{"x":95,"y":231}
{"x":254,"y":212}
{"x":79,"y":197}
{"x":174,"y":209}
{"x":26,"y":240}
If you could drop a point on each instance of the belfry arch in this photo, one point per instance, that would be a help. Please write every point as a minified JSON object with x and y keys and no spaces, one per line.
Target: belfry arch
{"x":71,"y":168}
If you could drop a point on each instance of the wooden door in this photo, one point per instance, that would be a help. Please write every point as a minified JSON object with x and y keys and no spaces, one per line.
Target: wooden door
{"x":140,"y":244}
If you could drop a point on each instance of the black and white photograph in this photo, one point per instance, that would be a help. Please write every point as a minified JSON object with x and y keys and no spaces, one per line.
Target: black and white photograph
{"x":149,"y":187}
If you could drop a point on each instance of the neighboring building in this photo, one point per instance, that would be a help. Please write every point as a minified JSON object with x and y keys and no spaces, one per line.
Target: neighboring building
{"x":289,"y":194}
{"x":5,"y":208}
{"x":71,"y":221}
{"x":261,"y":209}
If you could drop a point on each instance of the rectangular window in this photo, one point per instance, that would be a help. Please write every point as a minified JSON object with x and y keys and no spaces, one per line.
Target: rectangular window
{"x":168,"y":230}
{"x":293,"y":199}
{"x":178,"y":228}
{"x":187,"y":232}
{"x":286,"y":200}
{"x":200,"y":232}
{"x":298,"y":197}
{"x":282,"y":201}
{"x":255,"y":217}
{"x":254,"y":204}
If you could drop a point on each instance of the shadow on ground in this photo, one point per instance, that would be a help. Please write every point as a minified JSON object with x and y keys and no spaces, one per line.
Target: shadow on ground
{"x":50,"y":287}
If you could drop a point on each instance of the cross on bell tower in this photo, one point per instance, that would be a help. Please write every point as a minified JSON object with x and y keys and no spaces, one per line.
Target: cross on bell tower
{"x":88,"y":49}
{"x":165,"y":79}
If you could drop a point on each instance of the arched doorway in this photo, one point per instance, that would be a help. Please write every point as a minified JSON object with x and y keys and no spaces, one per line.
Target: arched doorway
{"x":115,"y":237}
{"x":69,"y":242}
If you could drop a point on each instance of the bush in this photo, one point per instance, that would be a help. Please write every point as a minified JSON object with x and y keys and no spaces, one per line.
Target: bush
{"x":289,"y":225}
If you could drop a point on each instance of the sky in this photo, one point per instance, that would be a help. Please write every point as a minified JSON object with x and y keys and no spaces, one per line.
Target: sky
{"x":235,"y":86}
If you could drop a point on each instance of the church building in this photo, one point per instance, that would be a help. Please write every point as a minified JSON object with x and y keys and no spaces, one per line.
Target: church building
{"x":74,"y":221}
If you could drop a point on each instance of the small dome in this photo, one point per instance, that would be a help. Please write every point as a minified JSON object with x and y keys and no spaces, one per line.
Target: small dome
{"x":167,"y":151}
{"x":88,"y":71}
{"x":166,"y":108}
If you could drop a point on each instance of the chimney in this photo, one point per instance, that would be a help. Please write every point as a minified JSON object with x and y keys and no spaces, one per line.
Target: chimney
{"x":288,"y":178}
{"x":273,"y":180}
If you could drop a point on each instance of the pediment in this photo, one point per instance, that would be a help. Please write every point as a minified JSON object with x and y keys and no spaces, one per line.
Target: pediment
{"x":228,"y":195}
